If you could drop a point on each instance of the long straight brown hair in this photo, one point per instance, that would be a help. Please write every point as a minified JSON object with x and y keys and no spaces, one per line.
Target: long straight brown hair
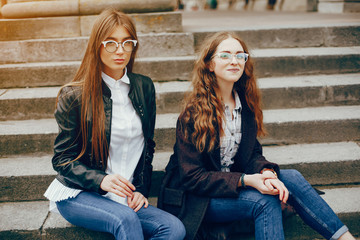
{"x":203,"y":108}
{"x":88,"y":77}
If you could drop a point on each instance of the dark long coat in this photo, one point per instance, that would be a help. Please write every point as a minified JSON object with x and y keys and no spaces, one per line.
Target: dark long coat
{"x":192,"y":178}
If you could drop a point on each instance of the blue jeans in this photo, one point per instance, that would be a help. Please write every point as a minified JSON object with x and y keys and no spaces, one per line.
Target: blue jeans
{"x":93,"y":211}
{"x":266,"y":212}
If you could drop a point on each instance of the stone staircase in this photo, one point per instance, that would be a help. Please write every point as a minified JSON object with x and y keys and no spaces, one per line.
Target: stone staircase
{"x":309,"y":77}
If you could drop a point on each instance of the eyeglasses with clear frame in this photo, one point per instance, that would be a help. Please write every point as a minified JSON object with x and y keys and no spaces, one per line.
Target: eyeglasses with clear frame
{"x":240,"y":57}
{"x":111,"y":46}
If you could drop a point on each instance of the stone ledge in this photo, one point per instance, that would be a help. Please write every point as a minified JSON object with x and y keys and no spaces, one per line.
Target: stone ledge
{"x":76,"y":26}
{"x":73,"y":49}
{"x":26,"y":177}
{"x":269,"y":63}
{"x":285,"y":126}
{"x":344,"y":201}
{"x":295,"y":92}
{"x":294,"y":37}
{"x":34,"y":9}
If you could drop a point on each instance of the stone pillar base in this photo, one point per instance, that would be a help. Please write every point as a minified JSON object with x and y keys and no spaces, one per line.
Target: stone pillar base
{"x":54,"y":8}
{"x":312,"y":5}
{"x":338,"y":6}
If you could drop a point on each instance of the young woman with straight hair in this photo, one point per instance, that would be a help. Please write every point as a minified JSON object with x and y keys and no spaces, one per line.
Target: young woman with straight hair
{"x":217,"y":173}
{"x":104,"y":150}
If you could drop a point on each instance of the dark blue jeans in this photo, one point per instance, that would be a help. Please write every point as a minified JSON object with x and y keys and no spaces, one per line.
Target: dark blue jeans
{"x":266,"y":212}
{"x":93,"y":211}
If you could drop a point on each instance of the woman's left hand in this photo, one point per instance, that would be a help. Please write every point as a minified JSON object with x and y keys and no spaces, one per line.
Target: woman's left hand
{"x":275,"y":183}
{"x":137,"y":201}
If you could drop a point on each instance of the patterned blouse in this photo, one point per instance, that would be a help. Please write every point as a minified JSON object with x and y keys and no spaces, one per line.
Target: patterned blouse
{"x":229,"y":143}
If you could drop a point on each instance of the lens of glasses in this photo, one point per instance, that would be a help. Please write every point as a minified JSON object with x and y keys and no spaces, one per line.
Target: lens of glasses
{"x":225,"y":56}
{"x":110,"y":46}
{"x":128,"y":45}
{"x":242,"y":56}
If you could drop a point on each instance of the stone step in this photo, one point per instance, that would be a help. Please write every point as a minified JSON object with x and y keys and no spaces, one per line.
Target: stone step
{"x":32,"y":220}
{"x":180,"y":44}
{"x":26,"y":177}
{"x":269,"y":63}
{"x":277,"y":92}
{"x":77,"y":26}
{"x":234,"y":20}
{"x":73,"y":49}
{"x":285,"y":126}
{"x":332,"y":35}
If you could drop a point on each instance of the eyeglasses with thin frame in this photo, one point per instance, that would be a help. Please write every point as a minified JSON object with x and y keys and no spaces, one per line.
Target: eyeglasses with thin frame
{"x":111,"y":46}
{"x":240,"y":57}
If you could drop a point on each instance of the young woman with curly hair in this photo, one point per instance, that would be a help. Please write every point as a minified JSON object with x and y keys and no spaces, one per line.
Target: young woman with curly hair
{"x":217,"y":173}
{"x":104,"y":150}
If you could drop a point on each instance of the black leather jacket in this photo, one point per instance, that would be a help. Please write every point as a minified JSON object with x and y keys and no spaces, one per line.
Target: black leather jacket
{"x":83,"y":174}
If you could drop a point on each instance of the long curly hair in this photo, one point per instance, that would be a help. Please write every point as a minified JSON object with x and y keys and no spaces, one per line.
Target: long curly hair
{"x":203,"y":112}
{"x":88,"y":77}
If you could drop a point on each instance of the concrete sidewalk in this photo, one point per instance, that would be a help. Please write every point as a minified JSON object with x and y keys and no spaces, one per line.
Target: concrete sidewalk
{"x":210,"y":20}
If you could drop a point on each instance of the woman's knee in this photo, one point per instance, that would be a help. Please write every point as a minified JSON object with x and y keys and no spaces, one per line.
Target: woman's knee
{"x":291,"y":175}
{"x":126,"y":218}
{"x":175,"y":228}
{"x":125,"y":224}
{"x":268,"y":203}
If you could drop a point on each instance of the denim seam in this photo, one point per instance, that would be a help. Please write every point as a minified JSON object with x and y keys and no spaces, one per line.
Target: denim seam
{"x":265,"y":226}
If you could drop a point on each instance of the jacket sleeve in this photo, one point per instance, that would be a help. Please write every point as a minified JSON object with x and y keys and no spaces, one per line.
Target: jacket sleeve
{"x":198,"y":176}
{"x":258,"y":162}
{"x":68,"y":145}
{"x":142,"y":181}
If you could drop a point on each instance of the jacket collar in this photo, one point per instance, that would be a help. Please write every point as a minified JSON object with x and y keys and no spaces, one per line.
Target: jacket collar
{"x":111,"y":81}
{"x":132,"y":81}
{"x":107,"y":80}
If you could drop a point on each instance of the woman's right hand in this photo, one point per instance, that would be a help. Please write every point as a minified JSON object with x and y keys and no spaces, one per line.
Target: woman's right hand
{"x":267,"y":184}
{"x":118,"y":185}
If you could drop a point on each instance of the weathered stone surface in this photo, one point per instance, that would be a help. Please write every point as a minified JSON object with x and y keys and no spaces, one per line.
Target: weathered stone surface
{"x":338,"y":6}
{"x":73,"y":49}
{"x":32,"y":9}
{"x":285,"y":126}
{"x":22,"y":216}
{"x":37,"y":74}
{"x":352,"y":6}
{"x":344,"y":201}
{"x":145,"y":22}
{"x":75,"y":26}
{"x":89,"y":7}
{"x":295,"y":92}
{"x":269,"y":63}
{"x":294,"y":37}
{"x":36,"y":28}
{"x":308,"y":61}
{"x":26,"y":177}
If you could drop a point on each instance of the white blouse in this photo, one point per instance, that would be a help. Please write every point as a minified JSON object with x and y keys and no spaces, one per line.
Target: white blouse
{"x":126,"y":142}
